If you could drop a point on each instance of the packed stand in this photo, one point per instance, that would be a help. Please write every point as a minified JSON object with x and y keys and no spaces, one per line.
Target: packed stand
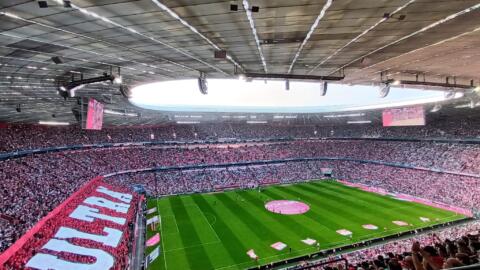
{"x":462,"y":191}
{"x":40,"y":182}
{"x":447,"y":248}
{"x":18,"y":137}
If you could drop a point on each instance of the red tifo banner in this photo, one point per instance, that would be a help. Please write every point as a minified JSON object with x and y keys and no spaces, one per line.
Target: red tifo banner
{"x":89,"y":230}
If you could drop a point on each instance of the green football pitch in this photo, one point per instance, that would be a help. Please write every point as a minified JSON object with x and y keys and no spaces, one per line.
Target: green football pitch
{"x":215,"y":230}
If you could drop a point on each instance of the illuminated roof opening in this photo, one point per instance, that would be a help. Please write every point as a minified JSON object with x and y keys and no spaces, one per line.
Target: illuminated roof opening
{"x":231,"y":95}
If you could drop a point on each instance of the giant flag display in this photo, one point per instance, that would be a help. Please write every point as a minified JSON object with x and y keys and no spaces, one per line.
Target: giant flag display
{"x":90,"y":230}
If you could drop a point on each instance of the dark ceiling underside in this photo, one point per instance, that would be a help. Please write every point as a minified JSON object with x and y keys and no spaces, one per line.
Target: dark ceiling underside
{"x":434,"y":38}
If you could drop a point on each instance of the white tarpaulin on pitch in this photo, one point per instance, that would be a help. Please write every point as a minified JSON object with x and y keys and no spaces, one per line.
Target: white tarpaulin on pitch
{"x":309,"y":241}
{"x":400,"y":223}
{"x":344,"y":232}
{"x":251,"y":254}
{"x":278,"y":245}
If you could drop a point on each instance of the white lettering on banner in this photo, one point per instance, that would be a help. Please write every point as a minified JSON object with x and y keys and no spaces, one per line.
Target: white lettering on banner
{"x":152,"y":220}
{"x":152,"y":210}
{"x":102,"y":202}
{"x":124,"y":197}
{"x":103,"y":260}
{"x":112,"y":238}
{"x":88,"y":214}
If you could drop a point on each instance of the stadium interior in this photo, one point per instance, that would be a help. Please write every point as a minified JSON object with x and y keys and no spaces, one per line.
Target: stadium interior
{"x":240,"y":134}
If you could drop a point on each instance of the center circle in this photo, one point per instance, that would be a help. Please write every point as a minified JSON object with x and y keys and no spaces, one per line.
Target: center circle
{"x":287,"y":207}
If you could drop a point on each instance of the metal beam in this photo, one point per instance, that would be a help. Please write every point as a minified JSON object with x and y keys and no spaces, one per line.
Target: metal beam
{"x":433,"y":84}
{"x":292,"y":77}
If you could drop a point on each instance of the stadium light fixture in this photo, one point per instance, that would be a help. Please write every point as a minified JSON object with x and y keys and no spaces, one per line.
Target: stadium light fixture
{"x":256,"y":122}
{"x":359,"y":122}
{"x":202,"y":83}
{"x":42,"y":4}
{"x":118,"y":80}
{"x":323,"y":88}
{"x":436,"y":108}
{"x":384,"y":90}
{"x":396,"y":82}
{"x":125,"y":91}
{"x":188,"y":122}
{"x":449,"y":94}
{"x":53,"y":123}
{"x":57,"y":60}
{"x":122,"y":113}
{"x":343,"y":115}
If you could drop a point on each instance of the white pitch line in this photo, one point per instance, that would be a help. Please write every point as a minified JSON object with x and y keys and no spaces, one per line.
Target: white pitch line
{"x":192,"y":246}
{"x":176,"y":224}
{"x":162,"y":239}
{"x":216,"y":235}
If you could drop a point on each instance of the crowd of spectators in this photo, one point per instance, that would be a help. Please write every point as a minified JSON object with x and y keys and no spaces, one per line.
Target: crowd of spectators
{"x":18,"y":137}
{"x":443,"y":249}
{"x":33,"y":185}
{"x":462,"y":236}
{"x":455,"y":190}
{"x":40,"y":182}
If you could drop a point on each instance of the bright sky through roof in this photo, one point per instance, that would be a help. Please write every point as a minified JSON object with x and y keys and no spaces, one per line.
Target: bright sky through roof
{"x":232,"y":95}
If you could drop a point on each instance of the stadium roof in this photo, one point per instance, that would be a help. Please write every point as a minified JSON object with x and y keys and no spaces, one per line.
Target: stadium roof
{"x":153,"y":40}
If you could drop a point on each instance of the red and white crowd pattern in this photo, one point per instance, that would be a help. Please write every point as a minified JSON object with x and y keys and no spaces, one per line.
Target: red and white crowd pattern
{"x":90,"y":230}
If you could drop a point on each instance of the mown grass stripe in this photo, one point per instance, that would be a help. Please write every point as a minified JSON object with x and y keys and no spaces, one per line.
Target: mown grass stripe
{"x":386,"y":199}
{"x":317,"y":214}
{"x":189,"y":236}
{"x":382,"y":200}
{"x":256,"y":226}
{"x":334,"y":207}
{"x":230,"y":240}
{"x":312,"y":217}
{"x":288,"y":223}
{"x":240,"y":221}
{"x":369,"y":209}
{"x":365,"y":216}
